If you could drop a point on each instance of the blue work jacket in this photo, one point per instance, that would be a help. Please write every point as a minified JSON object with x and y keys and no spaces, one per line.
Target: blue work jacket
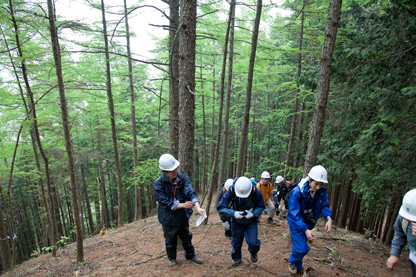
{"x":402,"y":236}
{"x":168,"y":196}
{"x":241,"y":204}
{"x":299,"y":204}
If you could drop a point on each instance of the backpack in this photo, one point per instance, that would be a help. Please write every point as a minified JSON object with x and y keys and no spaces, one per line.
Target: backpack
{"x":287,"y":196}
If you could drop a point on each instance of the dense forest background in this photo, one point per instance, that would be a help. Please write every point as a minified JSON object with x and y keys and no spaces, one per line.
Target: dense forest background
{"x":84,"y":119}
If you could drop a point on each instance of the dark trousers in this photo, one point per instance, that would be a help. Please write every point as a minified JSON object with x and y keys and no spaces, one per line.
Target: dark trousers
{"x":171,"y":234}
{"x":249,"y":232}
{"x":412,"y":269}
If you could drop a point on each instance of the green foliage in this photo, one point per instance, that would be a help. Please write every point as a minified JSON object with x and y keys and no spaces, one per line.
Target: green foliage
{"x":147,"y":171}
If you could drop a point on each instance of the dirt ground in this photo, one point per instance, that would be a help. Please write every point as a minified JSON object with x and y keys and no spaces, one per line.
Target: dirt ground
{"x":137,"y":249}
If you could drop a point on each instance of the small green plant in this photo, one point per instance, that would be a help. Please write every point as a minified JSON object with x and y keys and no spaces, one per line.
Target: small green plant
{"x":62,"y":242}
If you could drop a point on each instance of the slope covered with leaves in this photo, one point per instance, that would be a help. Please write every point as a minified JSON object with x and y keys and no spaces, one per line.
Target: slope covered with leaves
{"x":138,"y":249}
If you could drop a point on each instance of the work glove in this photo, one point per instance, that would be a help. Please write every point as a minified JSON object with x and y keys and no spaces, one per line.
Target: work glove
{"x":249,"y":214}
{"x":226,"y":226}
{"x":238,"y":215}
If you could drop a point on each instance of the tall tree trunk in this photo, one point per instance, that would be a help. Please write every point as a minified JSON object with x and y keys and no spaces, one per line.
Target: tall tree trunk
{"x":4,"y":240}
{"x":87,"y":201}
{"x":253,"y":126}
{"x":197,"y":175}
{"x":187,"y":41}
{"x":174,"y":77}
{"x":59,"y":228}
{"x":137,"y":194}
{"x":295,"y":105}
{"x":345,"y":204}
{"x":113,"y":118}
{"x":36,"y":130}
{"x":204,"y":140}
{"x":213,"y":175}
{"x":318,"y":118}
{"x":388,"y":220}
{"x":357,"y":213}
{"x":302,"y":141}
{"x":334,"y":199}
{"x":228,"y":97}
{"x":97,"y":206}
{"x":104,"y":206}
{"x":244,"y":130}
{"x":390,"y":231}
{"x":67,"y":135}
{"x":213,"y":115}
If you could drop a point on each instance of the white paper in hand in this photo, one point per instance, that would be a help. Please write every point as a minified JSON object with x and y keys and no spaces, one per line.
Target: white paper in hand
{"x":201,"y":219}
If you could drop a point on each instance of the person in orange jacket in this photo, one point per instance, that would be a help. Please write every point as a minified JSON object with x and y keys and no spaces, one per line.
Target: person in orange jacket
{"x":267,"y":189}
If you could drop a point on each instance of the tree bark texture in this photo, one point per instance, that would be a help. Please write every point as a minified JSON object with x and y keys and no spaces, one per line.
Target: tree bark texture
{"x":65,"y":123}
{"x":187,"y":41}
{"x":318,"y":118}
{"x":345,"y":204}
{"x":113,"y":119}
{"x":228,"y":97}
{"x":174,"y":77}
{"x":244,"y":130}
{"x":295,"y":105}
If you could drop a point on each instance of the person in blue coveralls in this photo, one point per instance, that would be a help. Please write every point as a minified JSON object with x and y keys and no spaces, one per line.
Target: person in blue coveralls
{"x":243,"y":203}
{"x":405,"y":233}
{"x":307,"y":202}
{"x":176,"y":198}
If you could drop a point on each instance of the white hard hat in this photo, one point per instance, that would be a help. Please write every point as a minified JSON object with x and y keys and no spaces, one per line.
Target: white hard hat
{"x":228,"y":183}
{"x":168,"y":163}
{"x":265,"y":175}
{"x":319,"y":174}
{"x":408,"y":208}
{"x":279,"y":179}
{"x":243,"y":187}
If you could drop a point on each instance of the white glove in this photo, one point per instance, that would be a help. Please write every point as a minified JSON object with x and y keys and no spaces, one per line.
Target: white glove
{"x":238,"y":215}
{"x":226,"y":226}
{"x":249,"y":214}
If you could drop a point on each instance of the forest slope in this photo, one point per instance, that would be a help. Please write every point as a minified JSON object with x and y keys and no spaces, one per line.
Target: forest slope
{"x":138,"y":249}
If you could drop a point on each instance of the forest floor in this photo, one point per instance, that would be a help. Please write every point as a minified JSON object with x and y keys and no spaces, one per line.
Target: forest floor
{"x":137,"y":249}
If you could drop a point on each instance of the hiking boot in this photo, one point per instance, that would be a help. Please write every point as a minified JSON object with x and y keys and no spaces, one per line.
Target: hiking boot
{"x":293,"y":269}
{"x":236,"y":263}
{"x":254,"y":258}
{"x":195,"y":260}
{"x":270,"y":221}
{"x":172,"y":263}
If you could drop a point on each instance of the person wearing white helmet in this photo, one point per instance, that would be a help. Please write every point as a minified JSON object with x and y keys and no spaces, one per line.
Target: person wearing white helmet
{"x":243,"y":203}
{"x":282,"y":201}
{"x":405,"y":232}
{"x":267,"y":189}
{"x":308,"y":200}
{"x":176,"y":199}
{"x":226,"y":222}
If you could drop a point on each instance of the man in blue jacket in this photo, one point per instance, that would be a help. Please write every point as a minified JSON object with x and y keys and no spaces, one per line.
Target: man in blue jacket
{"x":307,"y":201}
{"x":176,"y":198}
{"x":243,"y":203}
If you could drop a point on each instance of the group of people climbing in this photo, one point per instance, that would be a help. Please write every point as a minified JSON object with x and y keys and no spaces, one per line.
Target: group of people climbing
{"x":242,"y":202}
{"x":245,"y":200}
